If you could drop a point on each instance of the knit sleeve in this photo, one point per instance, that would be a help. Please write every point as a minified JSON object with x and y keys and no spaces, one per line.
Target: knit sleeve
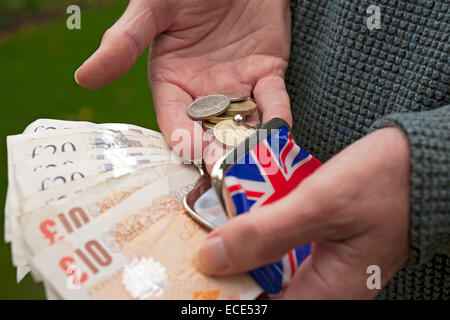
{"x":428,"y":134}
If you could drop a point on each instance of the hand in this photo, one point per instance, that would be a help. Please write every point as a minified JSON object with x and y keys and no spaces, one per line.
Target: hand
{"x":354,"y":210}
{"x":199,"y":47}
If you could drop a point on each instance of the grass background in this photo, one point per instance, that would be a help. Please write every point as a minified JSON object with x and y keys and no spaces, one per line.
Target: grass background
{"x":36,"y":81}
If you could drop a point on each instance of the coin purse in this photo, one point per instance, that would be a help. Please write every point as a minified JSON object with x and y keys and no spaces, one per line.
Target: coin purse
{"x":262,"y":169}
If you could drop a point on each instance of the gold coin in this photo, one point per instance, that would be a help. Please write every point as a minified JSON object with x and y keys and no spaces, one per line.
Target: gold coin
{"x":220,"y":118}
{"x":208,"y":125}
{"x":230,"y":133}
{"x":244,"y":108}
{"x":236,"y":96}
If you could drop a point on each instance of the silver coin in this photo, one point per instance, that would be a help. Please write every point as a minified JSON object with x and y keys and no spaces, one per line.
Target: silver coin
{"x":208,"y":106}
{"x":236,"y":96}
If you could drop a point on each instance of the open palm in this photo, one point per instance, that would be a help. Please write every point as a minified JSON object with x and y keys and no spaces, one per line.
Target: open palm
{"x":199,"y":47}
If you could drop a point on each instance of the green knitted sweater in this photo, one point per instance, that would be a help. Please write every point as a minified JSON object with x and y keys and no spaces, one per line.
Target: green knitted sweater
{"x":345,"y":81}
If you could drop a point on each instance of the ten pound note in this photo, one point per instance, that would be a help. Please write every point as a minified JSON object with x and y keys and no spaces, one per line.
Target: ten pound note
{"x":140,"y":250}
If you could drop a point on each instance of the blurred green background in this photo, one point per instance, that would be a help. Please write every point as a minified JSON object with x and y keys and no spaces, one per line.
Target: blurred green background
{"x":38,"y":57}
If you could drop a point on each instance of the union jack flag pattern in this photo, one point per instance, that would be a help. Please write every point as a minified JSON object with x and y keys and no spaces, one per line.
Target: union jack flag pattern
{"x":268,"y":172}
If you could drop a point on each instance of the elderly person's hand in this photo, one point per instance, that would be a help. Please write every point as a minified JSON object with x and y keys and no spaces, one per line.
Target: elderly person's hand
{"x":354,"y":210}
{"x":199,"y":47}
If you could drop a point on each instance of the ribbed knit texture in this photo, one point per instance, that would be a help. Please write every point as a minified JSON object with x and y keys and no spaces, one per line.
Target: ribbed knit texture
{"x":345,"y":81}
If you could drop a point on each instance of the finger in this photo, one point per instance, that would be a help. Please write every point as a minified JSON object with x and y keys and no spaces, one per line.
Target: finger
{"x":121,"y":45}
{"x":272,"y":99}
{"x":184,"y":135}
{"x":262,"y":236}
{"x":333,"y":271}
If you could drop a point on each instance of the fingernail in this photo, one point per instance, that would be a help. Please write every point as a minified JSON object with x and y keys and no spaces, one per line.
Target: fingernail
{"x":212,"y":257}
{"x":75,"y":76}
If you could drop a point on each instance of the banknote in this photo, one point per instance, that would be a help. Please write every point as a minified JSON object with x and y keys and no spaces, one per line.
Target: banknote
{"x":42,"y":128}
{"x":50,"y":223}
{"x":74,"y":188}
{"x":77,"y":207}
{"x":92,"y":188}
{"x":152,"y":243}
{"x":7,"y":224}
{"x":115,"y":157}
{"x":50,"y":294}
{"x":23,"y":184}
{"x":52,"y":125}
{"x":95,"y":211}
{"x":57,"y":227}
{"x":31,"y":179}
{"x":77,"y":142}
{"x":36,"y":130}
{"x":46,"y":125}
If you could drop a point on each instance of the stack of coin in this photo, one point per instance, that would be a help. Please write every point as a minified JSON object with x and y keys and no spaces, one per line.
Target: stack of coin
{"x":217,"y":112}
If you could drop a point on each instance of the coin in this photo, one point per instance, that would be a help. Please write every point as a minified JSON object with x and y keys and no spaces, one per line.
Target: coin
{"x":230,"y":133}
{"x":244,"y":108}
{"x":208,"y":125}
{"x":220,"y":118}
{"x":236,"y":96}
{"x":208,"y":106}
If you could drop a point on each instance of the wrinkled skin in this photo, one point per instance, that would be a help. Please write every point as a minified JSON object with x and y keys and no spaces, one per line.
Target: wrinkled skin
{"x":354,"y":209}
{"x":200,"y":47}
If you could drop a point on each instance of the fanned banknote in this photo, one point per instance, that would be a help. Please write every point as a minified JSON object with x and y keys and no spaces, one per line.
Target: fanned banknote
{"x":149,"y":229}
{"x":94,"y":211}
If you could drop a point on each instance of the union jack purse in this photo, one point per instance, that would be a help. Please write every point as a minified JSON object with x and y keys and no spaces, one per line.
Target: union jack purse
{"x":262,"y":169}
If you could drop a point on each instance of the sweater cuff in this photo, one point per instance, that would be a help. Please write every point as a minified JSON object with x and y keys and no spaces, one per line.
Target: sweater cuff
{"x":428,"y":134}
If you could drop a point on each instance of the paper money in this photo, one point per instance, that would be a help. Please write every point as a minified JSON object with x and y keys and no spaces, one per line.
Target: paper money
{"x":55,"y":219}
{"x":46,"y":142}
{"x":51,"y":174}
{"x":51,"y":223}
{"x":77,"y":142}
{"x":51,"y":127}
{"x":50,"y":293}
{"x":90,"y":264}
{"x":95,"y":212}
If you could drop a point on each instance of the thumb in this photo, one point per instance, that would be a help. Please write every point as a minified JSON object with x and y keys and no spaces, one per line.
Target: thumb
{"x":122,"y":44}
{"x":333,"y":271}
{"x":272,"y":99}
{"x":261,"y":236}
